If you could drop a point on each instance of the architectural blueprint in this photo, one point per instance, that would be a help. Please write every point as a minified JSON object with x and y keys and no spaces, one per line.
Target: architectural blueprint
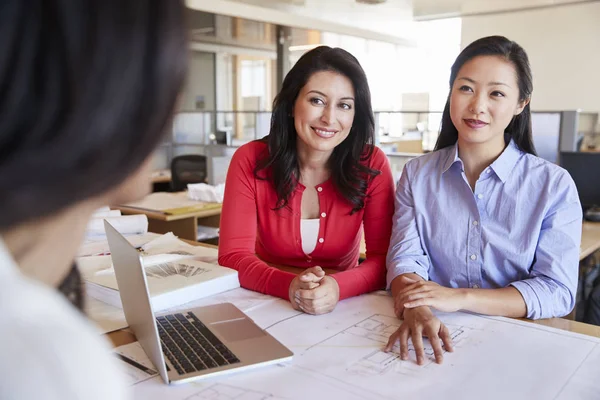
{"x":339,"y":355}
{"x":220,"y":391}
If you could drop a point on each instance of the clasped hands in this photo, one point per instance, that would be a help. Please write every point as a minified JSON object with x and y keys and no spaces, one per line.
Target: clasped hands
{"x":313,"y":292}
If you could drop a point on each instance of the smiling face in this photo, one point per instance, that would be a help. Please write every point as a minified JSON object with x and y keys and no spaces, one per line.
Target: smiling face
{"x":484,"y":99}
{"x":324,"y":112}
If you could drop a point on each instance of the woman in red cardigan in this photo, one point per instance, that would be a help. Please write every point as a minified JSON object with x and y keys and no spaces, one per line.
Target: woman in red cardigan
{"x":300,"y":195}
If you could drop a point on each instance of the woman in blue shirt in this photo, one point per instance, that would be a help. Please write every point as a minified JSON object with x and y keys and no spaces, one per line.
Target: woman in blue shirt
{"x":483,"y":224}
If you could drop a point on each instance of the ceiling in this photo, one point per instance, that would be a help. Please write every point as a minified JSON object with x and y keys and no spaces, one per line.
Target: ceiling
{"x":345,"y":17}
{"x":390,"y":20}
{"x":417,"y":9}
{"x":432,"y":9}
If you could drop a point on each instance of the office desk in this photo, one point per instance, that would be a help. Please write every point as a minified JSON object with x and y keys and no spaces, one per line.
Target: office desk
{"x":184,"y":225}
{"x":161,"y":176}
{"x":350,"y":340}
{"x":590,"y":239}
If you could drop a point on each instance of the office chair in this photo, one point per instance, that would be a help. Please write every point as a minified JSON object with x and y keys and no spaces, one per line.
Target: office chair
{"x":188,"y":168}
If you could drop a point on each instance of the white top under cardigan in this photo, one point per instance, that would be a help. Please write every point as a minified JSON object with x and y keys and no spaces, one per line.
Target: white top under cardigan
{"x":309,"y":232}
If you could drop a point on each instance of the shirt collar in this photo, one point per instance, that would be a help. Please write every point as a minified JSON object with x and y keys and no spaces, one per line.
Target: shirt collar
{"x":505,"y":163}
{"x":7,"y":262}
{"x":451,"y":157}
{"x":502,"y":167}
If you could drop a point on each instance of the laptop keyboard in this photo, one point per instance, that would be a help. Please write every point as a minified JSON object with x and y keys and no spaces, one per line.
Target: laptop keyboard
{"x":190,"y":346}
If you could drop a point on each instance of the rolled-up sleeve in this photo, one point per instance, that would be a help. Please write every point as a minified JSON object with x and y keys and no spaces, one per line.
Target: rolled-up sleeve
{"x":550,"y":290}
{"x":406,"y":253}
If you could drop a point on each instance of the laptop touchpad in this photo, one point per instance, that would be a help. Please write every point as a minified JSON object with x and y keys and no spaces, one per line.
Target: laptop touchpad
{"x":233,"y":331}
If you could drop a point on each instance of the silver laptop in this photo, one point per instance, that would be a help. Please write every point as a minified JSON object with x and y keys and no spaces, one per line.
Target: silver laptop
{"x":190,"y":344}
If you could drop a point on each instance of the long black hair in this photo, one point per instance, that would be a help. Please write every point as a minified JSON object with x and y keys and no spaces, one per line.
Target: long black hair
{"x":519,"y":129}
{"x":348,"y":173}
{"x":87,"y":88}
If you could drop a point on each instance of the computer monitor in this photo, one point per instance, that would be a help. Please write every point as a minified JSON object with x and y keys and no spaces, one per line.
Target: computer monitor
{"x":221,"y":137}
{"x":585,"y":171}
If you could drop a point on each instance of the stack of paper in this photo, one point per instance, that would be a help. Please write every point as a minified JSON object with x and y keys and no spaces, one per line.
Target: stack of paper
{"x":98,"y":245}
{"x":125,"y":224}
{"x":133,"y":227}
{"x":206,"y":193}
{"x":106,"y":213}
{"x":176,"y":273}
{"x":170,"y":283}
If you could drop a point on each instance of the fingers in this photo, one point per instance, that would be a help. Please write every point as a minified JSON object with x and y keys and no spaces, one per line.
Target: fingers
{"x":308,"y":285}
{"x":317,"y":297}
{"x":315,"y":304}
{"x":398,"y":309}
{"x":428,"y":301}
{"x":310,"y":303}
{"x":401,"y":300}
{"x":446,"y":338}
{"x":417,"y":327}
{"x":313,"y":294}
{"x":417,"y":287}
{"x":436,"y":344}
{"x":417,"y":341}
{"x":310,"y":277}
{"x":317,"y":307}
{"x":404,"y":333}
{"x":295,"y":304}
{"x":408,"y":293}
{"x":314,"y":274}
{"x":319,"y":310}
{"x":394,"y":337}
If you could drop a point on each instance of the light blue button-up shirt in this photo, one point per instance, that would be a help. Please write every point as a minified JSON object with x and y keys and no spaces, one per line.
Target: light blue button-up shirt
{"x":521,"y":226}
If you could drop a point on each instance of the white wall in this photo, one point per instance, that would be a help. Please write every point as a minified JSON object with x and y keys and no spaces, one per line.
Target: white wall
{"x":224,"y":81}
{"x":563,"y":44}
{"x":200,"y":81}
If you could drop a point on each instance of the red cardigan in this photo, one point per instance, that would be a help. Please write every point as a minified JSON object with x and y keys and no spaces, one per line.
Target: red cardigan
{"x":252,"y":233}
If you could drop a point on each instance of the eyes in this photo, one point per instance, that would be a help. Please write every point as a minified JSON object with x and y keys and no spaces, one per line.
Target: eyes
{"x":319,"y":102}
{"x":468,"y":89}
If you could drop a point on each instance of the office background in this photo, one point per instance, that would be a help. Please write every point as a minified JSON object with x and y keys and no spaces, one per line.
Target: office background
{"x":240,"y":51}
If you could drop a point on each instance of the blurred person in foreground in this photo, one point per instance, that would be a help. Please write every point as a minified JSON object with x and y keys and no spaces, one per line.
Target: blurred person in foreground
{"x":87,"y":89}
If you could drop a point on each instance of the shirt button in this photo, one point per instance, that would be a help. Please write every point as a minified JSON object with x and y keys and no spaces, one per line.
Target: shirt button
{"x":475,"y":286}
{"x":319,"y":189}
{"x":308,"y":260}
{"x":473,"y":257}
{"x":321,"y":240}
{"x":480,"y":196}
{"x":323,"y":215}
{"x":487,"y":171}
{"x":475,"y":223}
